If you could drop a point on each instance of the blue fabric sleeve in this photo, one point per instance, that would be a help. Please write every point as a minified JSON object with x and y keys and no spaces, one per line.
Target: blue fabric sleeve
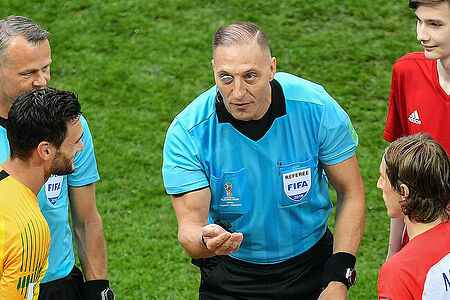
{"x":182,"y":169}
{"x":4,"y":145}
{"x":85,"y":163}
{"x":337,"y":137}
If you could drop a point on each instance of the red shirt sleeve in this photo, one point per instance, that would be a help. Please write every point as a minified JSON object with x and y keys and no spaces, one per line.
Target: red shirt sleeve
{"x":393,"y":128}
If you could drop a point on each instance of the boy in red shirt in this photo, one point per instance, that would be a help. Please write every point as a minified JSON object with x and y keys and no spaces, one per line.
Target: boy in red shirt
{"x":419,"y":98}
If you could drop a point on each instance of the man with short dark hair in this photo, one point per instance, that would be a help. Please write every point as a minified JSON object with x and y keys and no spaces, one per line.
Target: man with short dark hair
{"x":44,"y":132}
{"x":25,"y":59}
{"x":415,"y":181}
{"x":245,"y":165}
{"x":420,"y":90}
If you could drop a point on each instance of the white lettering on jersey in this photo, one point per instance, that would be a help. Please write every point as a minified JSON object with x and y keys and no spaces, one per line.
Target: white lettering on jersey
{"x":437,"y":284}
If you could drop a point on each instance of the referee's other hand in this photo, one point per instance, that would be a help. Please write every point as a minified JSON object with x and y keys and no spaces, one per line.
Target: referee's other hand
{"x":220,"y":241}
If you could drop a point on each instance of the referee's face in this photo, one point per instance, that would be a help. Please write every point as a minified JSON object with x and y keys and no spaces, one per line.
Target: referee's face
{"x":242,"y":74}
{"x":26,"y":67}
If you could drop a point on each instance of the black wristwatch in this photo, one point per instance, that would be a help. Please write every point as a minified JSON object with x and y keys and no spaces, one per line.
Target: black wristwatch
{"x":340,"y":267}
{"x":108,"y":294}
{"x":97,"y":290}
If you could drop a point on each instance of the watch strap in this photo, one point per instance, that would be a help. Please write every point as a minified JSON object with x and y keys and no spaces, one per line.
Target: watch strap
{"x":336,"y":268}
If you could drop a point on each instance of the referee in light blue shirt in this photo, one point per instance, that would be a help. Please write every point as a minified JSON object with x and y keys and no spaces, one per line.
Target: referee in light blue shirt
{"x":247,"y":165}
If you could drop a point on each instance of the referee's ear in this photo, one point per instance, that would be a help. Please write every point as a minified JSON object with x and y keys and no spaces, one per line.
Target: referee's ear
{"x":273,"y":67}
{"x":214,"y":71}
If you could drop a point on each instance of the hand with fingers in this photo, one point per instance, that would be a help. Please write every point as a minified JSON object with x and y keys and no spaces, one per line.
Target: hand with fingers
{"x":220,"y":241}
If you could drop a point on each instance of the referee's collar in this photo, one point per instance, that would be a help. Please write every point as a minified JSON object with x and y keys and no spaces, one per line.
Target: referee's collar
{"x":277,"y":105}
{"x":255,"y":129}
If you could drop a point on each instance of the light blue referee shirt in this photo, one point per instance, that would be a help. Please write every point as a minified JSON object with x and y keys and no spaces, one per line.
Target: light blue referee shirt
{"x":273,"y":190}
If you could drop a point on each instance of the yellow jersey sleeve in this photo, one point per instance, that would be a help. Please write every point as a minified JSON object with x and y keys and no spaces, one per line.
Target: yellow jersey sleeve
{"x":24,"y":242}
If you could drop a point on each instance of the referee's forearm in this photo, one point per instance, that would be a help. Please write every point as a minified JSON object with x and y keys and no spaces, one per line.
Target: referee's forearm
{"x":91,"y":249}
{"x":349,"y":223}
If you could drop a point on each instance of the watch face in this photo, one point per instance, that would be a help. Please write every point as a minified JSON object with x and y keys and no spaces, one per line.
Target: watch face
{"x":351,"y":276}
{"x":108,"y":294}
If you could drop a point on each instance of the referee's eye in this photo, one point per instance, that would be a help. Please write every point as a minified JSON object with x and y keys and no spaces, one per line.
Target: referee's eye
{"x":226,"y":78}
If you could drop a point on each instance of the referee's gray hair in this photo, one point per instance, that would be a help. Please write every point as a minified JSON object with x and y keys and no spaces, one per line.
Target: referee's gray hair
{"x":240,"y":33}
{"x":13,"y":26}
{"x":415,"y":3}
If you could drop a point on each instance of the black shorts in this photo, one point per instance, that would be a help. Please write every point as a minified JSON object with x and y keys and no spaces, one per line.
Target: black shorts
{"x":66,"y":288}
{"x":226,"y":278}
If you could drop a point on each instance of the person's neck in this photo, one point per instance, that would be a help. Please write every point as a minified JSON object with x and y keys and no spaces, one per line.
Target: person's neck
{"x":30,"y":174}
{"x":414,"y":229}
{"x":4,"y":107}
{"x":443,"y":68}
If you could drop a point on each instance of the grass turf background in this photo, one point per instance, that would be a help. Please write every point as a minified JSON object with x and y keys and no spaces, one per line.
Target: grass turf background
{"x":135,"y":64}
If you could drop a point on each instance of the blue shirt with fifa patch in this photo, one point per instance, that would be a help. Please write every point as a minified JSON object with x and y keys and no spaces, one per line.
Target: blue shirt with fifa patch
{"x":272,"y":189}
{"x":54,"y":202}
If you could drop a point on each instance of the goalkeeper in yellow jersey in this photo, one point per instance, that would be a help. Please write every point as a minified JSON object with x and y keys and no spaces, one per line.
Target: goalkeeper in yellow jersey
{"x":44,"y":133}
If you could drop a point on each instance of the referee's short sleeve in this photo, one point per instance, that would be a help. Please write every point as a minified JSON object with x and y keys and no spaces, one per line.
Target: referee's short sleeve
{"x":85,"y":163}
{"x":182,"y":168}
{"x":337,"y":137}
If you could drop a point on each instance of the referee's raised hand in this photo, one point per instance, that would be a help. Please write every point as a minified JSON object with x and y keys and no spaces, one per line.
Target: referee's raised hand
{"x":220,"y":241}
